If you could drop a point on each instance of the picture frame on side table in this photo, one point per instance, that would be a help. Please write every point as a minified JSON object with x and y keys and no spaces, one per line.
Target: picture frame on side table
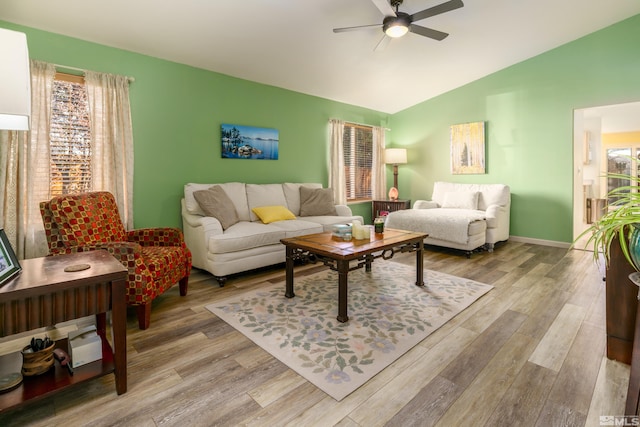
{"x":9,"y":265}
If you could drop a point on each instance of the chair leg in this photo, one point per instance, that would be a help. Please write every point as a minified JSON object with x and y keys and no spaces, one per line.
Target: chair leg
{"x":184,"y":284}
{"x":144,"y":315}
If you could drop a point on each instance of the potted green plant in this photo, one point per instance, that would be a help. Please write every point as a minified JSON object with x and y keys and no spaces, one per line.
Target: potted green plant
{"x":621,"y":221}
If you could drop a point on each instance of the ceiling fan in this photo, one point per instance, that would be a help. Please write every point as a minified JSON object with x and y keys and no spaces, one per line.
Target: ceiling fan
{"x":397,"y":24}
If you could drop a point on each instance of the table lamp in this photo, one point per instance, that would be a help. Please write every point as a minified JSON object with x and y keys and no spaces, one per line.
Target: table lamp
{"x":15,"y":81}
{"x":395,"y":157}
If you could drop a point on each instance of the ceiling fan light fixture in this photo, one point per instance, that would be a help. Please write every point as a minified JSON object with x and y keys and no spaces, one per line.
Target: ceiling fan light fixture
{"x":396,"y":26}
{"x":396,"y":31}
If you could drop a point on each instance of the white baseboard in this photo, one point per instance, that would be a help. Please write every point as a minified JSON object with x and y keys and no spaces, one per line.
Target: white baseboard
{"x":540,"y":242}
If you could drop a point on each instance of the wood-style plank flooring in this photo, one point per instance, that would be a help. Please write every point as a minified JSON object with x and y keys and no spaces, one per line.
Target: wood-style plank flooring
{"x":529,"y":353}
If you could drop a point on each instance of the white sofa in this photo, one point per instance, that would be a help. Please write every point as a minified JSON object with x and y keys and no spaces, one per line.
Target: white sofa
{"x":459,"y":216}
{"x":250,"y":243}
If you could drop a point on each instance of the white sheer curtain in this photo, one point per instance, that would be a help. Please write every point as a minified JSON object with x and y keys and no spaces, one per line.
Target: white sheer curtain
{"x":25,"y":160}
{"x":24,"y":170}
{"x":378,"y":168}
{"x":112,"y":139}
{"x":337,"y":179}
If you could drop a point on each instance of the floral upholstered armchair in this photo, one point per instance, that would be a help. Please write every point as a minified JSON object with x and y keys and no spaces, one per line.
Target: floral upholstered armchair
{"x":157,"y":258}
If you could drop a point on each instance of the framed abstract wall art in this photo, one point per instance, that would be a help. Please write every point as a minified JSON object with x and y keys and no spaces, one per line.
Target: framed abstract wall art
{"x":467,"y":148}
{"x":247,"y":142}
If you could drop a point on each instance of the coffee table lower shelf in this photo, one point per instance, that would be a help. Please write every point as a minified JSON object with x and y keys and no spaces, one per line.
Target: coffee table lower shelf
{"x":56,"y":379}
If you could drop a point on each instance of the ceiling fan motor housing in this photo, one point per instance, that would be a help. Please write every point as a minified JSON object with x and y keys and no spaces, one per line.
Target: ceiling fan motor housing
{"x":401,"y":20}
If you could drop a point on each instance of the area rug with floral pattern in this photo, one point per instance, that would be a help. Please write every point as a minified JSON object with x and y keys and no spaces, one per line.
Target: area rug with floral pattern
{"x":388,"y":315}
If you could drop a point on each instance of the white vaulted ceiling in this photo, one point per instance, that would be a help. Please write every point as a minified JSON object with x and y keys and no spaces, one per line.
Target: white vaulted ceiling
{"x":290,"y":43}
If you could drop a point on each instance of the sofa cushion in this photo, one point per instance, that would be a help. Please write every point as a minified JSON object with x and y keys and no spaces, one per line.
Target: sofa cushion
{"x":235,"y":191}
{"x":264,"y":195}
{"x":328,"y":221}
{"x":453,"y":225}
{"x":316,"y":201}
{"x":461,"y":200}
{"x":215,"y":202}
{"x":298,"y":227}
{"x":292,"y":194}
{"x":245,"y":235}
{"x":269,"y":214}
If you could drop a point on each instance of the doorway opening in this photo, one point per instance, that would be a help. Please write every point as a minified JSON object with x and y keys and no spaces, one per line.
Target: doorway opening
{"x":603,"y":140}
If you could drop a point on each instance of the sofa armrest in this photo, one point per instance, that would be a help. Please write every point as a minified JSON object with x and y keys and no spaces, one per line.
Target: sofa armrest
{"x":159,"y":236}
{"x":343,"y":210}
{"x":211,"y":226}
{"x":425,"y":204}
{"x":497,"y":213}
{"x":208,"y":223}
{"x":494,"y":211}
{"x":498,"y":218}
{"x":197,"y":229}
{"x":191,"y":219}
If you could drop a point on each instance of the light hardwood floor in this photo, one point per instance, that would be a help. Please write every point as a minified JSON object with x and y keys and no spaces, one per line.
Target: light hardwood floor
{"x":529,"y":353}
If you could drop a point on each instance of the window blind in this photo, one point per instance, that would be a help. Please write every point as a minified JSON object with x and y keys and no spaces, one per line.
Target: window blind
{"x":70,"y":138}
{"x":358,"y":158}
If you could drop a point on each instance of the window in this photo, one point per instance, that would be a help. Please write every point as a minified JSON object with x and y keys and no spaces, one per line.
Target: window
{"x":70,"y":137}
{"x":358,"y":160}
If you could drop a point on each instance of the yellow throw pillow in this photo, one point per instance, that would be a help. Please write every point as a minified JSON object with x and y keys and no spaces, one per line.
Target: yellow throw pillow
{"x":269,"y":214}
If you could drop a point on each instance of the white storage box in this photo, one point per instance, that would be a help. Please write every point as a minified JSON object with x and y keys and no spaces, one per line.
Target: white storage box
{"x":85,"y":346}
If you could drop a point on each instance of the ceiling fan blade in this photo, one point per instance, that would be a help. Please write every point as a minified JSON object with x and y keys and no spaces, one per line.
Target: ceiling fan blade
{"x":385,"y":7}
{"x":359,"y":27}
{"x":437,"y":10}
{"x":382,"y":44}
{"x":428,"y":32}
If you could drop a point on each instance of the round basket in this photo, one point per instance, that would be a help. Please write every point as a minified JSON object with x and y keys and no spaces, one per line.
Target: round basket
{"x":37,"y":363}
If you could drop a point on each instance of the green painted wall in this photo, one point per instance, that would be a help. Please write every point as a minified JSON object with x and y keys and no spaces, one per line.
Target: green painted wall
{"x":177,"y":111}
{"x":528,"y":109}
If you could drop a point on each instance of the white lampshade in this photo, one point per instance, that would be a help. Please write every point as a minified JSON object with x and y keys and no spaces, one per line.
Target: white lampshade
{"x":395,"y":156}
{"x":15,"y":81}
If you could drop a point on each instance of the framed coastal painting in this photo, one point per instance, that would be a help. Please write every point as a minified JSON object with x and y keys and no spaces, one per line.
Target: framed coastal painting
{"x":248,"y":142}
{"x":467,"y":148}
{"x":9,"y":265}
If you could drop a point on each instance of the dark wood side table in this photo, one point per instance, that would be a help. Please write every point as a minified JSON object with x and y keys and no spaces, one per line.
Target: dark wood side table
{"x":388,"y":206}
{"x":45,"y":294}
{"x":621,"y":306}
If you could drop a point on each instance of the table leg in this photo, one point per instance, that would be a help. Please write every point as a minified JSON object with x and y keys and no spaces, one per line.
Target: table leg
{"x":119,"y":328}
{"x":101,"y":324}
{"x":343,"y":270}
{"x":419,"y":263}
{"x":289,"y":273}
{"x":368,"y":261}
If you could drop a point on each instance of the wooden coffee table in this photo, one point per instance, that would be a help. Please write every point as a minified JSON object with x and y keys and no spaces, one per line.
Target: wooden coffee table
{"x":337,"y":254}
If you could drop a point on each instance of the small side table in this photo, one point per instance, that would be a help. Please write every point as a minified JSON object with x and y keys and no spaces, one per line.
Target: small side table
{"x":388,"y":206}
{"x":45,"y":294}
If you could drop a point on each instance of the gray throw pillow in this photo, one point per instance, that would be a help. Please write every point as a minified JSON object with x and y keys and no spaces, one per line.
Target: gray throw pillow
{"x":215,"y":202}
{"x":316,"y":202}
